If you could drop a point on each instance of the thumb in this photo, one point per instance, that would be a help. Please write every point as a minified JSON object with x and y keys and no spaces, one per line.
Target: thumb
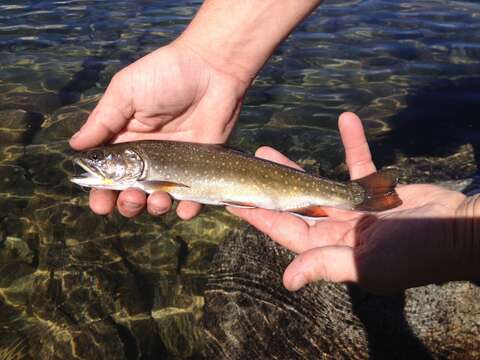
{"x":110,"y":116}
{"x":331,"y":263}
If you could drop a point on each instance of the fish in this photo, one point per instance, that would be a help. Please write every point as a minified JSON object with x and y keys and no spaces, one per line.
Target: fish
{"x":218,"y":175}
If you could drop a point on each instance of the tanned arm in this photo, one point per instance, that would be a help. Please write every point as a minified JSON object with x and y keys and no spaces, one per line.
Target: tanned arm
{"x":238,"y":37}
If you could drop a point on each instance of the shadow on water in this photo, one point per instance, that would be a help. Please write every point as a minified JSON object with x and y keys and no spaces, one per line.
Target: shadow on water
{"x":438,"y":119}
{"x":384,"y":318}
{"x":83,"y":80}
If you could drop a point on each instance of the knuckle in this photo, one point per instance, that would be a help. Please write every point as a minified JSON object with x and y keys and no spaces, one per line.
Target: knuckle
{"x":119,"y":77}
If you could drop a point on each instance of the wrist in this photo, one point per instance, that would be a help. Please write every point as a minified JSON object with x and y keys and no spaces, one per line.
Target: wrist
{"x":238,"y":37}
{"x":467,"y":234}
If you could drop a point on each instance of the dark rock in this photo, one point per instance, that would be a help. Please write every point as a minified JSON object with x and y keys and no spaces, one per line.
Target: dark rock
{"x":16,"y":260}
{"x":55,"y":81}
{"x":250,"y":315}
{"x":460,"y":165}
{"x":64,"y":124}
{"x":180,"y":325}
{"x":13,"y":180}
{"x":48,"y":168}
{"x":18,"y":126}
{"x":42,"y":102}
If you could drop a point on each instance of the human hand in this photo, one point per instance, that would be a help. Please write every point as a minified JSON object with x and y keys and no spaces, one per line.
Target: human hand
{"x":411,"y":245}
{"x":170,"y":94}
{"x":190,"y":90}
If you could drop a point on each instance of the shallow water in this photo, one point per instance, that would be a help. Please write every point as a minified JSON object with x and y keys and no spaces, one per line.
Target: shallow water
{"x":107,"y":287}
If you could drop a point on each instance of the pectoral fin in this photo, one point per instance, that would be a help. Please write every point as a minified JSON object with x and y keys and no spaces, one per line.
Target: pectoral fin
{"x":166,"y":186}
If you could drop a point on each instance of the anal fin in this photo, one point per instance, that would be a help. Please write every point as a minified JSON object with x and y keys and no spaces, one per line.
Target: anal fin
{"x":239,"y":204}
{"x":310,"y":211}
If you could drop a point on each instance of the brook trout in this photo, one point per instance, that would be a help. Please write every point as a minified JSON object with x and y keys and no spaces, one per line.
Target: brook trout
{"x":216,"y":175}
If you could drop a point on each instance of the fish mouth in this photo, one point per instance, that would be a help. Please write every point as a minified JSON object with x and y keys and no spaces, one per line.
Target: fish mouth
{"x":89,"y":178}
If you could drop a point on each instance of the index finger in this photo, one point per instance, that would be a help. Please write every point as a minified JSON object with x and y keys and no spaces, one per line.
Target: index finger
{"x":109,"y":117}
{"x":286,"y":229}
{"x":357,"y":152}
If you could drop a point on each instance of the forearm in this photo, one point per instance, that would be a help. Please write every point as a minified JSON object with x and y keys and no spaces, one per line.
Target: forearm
{"x":238,"y":37}
{"x":467,"y":233}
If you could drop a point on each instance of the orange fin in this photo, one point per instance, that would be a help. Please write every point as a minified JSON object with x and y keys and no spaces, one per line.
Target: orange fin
{"x":310,"y":211}
{"x":151,"y":186}
{"x":379,"y":190}
{"x":239,"y":204}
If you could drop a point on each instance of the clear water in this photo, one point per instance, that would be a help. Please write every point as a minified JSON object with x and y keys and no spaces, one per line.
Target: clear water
{"x":107,"y":287}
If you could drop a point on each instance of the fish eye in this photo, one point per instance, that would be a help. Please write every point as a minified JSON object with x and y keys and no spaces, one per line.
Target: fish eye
{"x":96,"y":155}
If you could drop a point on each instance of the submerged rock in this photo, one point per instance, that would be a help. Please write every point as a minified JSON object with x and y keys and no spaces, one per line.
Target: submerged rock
{"x":250,"y":315}
{"x":18,"y":126}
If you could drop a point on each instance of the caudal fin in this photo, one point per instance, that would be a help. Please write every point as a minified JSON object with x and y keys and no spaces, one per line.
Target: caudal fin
{"x":380,"y":191}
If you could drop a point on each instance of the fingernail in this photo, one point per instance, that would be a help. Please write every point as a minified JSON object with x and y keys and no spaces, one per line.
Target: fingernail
{"x":297,"y":282}
{"x":158,"y":211}
{"x":132,"y":205}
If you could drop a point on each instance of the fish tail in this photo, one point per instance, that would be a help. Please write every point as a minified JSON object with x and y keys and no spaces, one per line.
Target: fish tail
{"x":379,"y":190}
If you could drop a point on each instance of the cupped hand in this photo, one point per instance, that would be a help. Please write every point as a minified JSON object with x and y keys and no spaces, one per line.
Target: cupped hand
{"x":170,"y":94}
{"x":384,"y":252}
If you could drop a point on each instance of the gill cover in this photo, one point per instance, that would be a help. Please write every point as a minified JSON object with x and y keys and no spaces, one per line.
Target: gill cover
{"x":115,"y":165}
{"x":109,"y":168}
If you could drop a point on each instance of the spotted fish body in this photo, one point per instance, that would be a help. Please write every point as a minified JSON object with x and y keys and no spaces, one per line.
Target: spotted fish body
{"x":213,"y":174}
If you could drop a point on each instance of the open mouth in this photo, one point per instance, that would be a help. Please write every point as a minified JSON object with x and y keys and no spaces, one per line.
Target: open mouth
{"x":86,"y":178}
{"x":91,"y":178}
